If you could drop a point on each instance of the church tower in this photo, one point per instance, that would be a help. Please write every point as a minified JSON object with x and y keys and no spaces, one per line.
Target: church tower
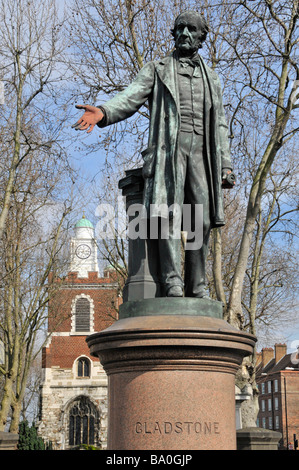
{"x":73,"y":395}
{"x":84,"y":249}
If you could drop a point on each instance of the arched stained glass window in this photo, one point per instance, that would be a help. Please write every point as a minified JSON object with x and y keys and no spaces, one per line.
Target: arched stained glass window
{"x":83,"y":418}
{"x":82,"y":315}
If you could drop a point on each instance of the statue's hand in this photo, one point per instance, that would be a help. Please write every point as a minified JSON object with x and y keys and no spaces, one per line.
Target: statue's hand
{"x":90,"y":118}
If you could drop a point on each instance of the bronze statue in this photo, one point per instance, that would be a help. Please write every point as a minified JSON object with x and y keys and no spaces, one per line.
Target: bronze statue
{"x":187,"y":160}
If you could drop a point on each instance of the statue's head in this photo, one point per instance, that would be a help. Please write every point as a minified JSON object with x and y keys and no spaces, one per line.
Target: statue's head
{"x":189,"y":32}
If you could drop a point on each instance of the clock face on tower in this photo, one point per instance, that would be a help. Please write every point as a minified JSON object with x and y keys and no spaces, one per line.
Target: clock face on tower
{"x":83,"y":251}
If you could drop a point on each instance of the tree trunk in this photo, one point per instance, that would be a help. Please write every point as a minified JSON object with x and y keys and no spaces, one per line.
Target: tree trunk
{"x":217,"y":266}
{"x":14,"y":165}
{"x":5,"y":403}
{"x":16,"y":408}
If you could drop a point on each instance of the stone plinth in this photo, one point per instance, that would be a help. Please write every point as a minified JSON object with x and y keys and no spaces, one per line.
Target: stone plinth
{"x":170,"y":306}
{"x":171,"y":379}
{"x":143,"y":261}
{"x":8,"y":441}
{"x":257,"y":439}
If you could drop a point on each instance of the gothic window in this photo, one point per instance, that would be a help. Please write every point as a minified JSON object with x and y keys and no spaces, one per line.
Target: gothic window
{"x":83,"y":367}
{"x":83,"y":419}
{"x":82,"y":314}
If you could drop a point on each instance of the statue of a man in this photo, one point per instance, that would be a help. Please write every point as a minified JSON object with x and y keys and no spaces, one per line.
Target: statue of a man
{"x":188,"y":156}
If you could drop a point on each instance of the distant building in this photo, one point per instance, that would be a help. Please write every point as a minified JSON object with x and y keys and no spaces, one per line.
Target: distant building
{"x":73,"y":396}
{"x":278,"y":382}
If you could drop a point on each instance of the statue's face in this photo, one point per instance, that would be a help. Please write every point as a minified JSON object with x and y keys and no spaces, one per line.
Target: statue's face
{"x":187,"y":34}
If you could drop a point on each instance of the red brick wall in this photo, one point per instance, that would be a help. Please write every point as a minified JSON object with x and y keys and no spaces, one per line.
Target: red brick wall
{"x":60,"y":308}
{"x":63,"y":350}
{"x":292,"y":389}
{"x":105,"y":302}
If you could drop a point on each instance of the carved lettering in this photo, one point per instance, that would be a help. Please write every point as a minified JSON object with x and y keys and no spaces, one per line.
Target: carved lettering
{"x":177,"y":427}
{"x":167,"y":427}
{"x":216,"y":430}
{"x":197,"y":427}
{"x":138,"y":428}
{"x":157,"y":427}
{"x":207,"y":428}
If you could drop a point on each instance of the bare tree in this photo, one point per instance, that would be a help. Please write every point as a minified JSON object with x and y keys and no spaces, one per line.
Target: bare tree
{"x":36,"y":183}
{"x":31,"y":46}
{"x":265,"y":54}
{"x":116,"y":41}
{"x":32,"y":243}
{"x":33,"y":266}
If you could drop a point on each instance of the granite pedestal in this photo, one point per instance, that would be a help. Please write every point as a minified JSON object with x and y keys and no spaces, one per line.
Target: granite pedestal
{"x":257,"y":439}
{"x":171,"y":375}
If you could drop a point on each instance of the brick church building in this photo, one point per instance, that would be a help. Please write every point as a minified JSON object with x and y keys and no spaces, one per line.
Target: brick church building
{"x":73,"y":399}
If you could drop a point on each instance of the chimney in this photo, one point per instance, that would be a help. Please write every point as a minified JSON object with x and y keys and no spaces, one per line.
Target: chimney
{"x":280,"y":351}
{"x":258,"y":358}
{"x":267,"y":355}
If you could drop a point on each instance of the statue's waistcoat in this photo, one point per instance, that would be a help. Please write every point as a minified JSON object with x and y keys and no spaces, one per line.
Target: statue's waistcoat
{"x":191,"y":98}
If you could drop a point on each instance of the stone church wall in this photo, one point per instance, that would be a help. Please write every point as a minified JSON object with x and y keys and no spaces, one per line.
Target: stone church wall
{"x":61,"y":387}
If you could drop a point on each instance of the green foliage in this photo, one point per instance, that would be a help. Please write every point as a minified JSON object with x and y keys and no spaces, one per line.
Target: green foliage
{"x":88,"y":447}
{"x":29,"y":439}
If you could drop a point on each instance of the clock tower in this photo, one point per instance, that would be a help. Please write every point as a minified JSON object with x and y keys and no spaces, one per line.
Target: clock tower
{"x":84,"y":249}
{"x":73,"y":396}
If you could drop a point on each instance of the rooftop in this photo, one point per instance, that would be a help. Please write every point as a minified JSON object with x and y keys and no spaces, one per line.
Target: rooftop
{"x":271,"y":360}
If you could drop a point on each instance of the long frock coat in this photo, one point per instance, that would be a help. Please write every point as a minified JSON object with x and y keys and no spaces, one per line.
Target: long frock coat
{"x":157,"y":83}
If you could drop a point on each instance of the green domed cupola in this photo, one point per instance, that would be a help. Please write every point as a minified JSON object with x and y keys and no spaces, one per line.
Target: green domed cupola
{"x":84,"y":223}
